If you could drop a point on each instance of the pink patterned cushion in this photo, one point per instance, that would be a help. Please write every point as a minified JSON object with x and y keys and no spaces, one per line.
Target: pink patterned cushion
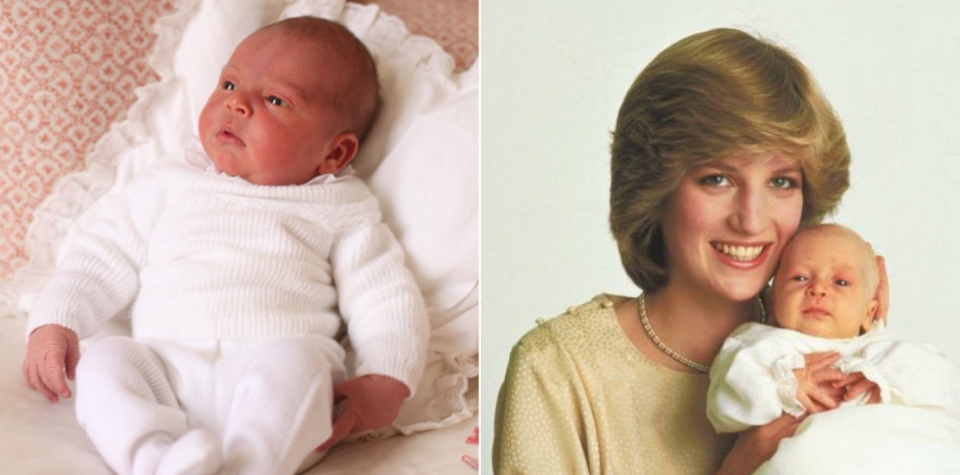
{"x":69,"y":68}
{"x":453,"y":24}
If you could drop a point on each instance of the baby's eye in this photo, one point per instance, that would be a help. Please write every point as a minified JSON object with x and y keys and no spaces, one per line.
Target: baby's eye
{"x":783,"y":183}
{"x":228,"y":85}
{"x":799,"y":278}
{"x":276,"y":101}
{"x":715,"y":180}
{"x":842,"y":282}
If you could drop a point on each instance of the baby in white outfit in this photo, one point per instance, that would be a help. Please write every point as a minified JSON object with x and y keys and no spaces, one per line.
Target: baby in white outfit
{"x":242,"y":261}
{"x":829,"y":353}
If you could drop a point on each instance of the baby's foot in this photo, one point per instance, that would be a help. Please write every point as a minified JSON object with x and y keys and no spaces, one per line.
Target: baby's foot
{"x":196,"y":453}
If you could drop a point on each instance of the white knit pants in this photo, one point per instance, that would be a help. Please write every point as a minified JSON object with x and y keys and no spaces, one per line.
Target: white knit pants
{"x":210,"y":407}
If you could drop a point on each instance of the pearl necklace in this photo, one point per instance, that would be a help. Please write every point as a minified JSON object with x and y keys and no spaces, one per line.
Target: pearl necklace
{"x":702,"y":368}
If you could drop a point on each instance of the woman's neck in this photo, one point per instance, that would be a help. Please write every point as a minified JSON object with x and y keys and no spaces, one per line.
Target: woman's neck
{"x":693,"y":324}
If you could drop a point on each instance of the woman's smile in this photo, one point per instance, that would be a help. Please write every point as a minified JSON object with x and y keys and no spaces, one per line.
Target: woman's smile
{"x":743,"y":256}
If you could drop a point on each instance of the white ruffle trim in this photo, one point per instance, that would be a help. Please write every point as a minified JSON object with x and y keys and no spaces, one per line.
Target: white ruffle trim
{"x":872,"y":373}
{"x":787,"y":383}
{"x":449,"y":375}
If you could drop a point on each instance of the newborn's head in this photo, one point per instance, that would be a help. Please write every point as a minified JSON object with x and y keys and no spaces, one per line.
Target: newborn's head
{"x":826,"y":283}
{"x":292,"y":103}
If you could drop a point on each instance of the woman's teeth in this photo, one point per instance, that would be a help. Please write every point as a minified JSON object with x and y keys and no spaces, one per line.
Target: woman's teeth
{"x":739,"y":253}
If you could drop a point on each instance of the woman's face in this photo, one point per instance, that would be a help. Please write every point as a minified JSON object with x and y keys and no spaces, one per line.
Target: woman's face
{"x":728,"y":221}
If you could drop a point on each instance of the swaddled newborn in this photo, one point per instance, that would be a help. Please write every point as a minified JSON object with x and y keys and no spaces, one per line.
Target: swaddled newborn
{"x":887,"y":406}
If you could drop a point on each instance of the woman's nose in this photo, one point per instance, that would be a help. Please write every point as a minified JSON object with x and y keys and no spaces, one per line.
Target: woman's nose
{"x":750,"y":214}
{"x":237,"y":104}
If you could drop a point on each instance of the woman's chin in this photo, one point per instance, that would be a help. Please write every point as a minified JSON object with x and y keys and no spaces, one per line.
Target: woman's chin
{"x":743,"y":290}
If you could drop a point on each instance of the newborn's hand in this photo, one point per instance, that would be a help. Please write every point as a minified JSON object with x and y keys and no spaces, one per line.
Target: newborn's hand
{"x":50,"y":350}
{"x":371,"y":401}
{"x":856,"y":384}
{"x":816,"y":388}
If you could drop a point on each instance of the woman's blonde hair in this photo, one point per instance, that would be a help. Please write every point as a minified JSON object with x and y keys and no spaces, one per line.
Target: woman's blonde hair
{"x":710,"y":95}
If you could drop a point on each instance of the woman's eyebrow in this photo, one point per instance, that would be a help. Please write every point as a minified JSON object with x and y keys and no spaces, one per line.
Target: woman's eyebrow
{"x":791,"y":168}
{"x":718,"y":165}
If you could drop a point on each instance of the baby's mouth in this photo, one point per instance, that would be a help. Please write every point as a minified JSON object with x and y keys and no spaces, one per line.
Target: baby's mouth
{"x":227,"y":135}
{"x":738,"y":253}
{"x":816,"y":313}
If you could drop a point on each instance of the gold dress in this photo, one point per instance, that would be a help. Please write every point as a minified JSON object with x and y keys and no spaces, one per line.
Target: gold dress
{"x":578,"y":397}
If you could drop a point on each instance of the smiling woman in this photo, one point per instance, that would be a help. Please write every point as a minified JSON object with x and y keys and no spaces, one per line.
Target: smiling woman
{"x":724,"y":147}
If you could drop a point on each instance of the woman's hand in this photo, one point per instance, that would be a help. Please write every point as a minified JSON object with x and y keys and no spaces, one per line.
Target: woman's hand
{"x":755,"y":446}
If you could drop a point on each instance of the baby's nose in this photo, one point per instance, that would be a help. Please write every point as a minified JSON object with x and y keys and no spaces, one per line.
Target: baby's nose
{"x":238,"y":105}
{"x":816,"y":290}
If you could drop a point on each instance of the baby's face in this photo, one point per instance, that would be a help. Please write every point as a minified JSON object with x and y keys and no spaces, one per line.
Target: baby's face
{"x":269,"y":119}
{"x":822,"y":287}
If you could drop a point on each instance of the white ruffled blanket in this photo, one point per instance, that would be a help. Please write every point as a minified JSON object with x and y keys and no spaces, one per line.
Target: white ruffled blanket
{"x":421,"y":159}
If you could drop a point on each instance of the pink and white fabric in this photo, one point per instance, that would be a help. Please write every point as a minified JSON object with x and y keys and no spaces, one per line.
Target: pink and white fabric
{"x":68,"y":69}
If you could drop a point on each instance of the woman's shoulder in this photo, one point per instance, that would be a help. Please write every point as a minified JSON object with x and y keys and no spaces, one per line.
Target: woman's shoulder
{"x":572,"y":329}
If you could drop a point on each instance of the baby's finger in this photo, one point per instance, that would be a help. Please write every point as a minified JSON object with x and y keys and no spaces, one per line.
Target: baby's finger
{"x":52,"y":373}
{"x":859,"y":388}
{"x":341,"y":428}
{"x":874,"y":396}
{"x":37,"y":382}
{"x":808,"y":404}
{"x":342,"y":390}
{"x":827,"y":375}
{"x":824,"y":399}
{"x":25,"y":368}
{"x":833,"y":391}
{"x":73,"y":357}
{"x":851,"y":378}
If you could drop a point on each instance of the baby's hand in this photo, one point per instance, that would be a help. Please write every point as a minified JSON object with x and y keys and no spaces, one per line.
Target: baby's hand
{"x":856,"y":384}
{"x":50,"y":349}
{"x":371,"y":401}
{"x":816,"y":390}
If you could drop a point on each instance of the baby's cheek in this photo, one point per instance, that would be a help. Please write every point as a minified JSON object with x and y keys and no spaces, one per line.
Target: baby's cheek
{"x":204,"y":124}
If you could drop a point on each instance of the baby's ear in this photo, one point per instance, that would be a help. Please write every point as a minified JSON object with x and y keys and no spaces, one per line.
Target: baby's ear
{"x":340,"y":151}
{"x":871,"y":315}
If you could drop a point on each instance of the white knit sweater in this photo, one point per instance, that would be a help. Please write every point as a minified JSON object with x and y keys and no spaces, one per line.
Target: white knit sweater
{"x":206,"y":256}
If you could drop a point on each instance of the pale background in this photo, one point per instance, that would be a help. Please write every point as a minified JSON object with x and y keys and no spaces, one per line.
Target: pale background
{"x":554,"y":73}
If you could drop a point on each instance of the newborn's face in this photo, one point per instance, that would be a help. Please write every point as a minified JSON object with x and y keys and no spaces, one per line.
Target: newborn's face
{"x":822,"y":286}
{"x":269,"y":120}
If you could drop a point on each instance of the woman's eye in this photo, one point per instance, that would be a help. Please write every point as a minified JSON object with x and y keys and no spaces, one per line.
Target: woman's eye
{"x":783,"y":183}
{"x":842,"y":283}
{"x":228,"y":86}
{"x":715,"y":180}
{"x":276,"y":101}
